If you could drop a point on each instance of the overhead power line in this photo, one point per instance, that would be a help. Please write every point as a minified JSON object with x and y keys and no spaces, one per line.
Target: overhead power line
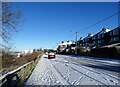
{"x":94,"y":24}
{"x":98,"y":22}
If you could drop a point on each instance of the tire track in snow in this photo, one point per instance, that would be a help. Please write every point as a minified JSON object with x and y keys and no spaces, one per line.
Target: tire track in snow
{"x":58,"y":71}
{"x":90,"y":69}
{"x":94,"y":62}
{"x":66,"y":63}
{"x":59,"y":75}
{"x":78,"y":72}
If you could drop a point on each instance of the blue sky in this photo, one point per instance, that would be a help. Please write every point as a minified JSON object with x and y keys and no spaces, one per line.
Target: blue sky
{"x":48,"y":23}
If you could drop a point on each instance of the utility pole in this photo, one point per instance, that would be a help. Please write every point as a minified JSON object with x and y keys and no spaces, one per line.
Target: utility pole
{"x":76,"y":43}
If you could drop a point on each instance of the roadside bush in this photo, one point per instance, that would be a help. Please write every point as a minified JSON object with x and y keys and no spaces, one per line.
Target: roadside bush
{"x":111,"y":52}
{"x":7,"y":59}
{"x":9,"y":62}
{"x":27,"y":58}
{"x":81,"y":50}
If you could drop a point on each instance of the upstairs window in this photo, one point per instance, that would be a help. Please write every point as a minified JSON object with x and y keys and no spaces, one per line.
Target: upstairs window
{"x":115,"y":39}
{"x":116,"y":32}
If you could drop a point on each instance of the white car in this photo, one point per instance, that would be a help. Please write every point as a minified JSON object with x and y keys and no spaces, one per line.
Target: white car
{"x":46,"y":53}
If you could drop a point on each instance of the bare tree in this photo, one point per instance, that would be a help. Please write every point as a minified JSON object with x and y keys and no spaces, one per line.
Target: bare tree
{"x":10,"y":21}
{"x":11,"y":18}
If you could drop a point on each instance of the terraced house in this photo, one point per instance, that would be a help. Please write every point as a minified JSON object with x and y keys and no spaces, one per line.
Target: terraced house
{"x":102,"y":38}
{"x":114,"y":35}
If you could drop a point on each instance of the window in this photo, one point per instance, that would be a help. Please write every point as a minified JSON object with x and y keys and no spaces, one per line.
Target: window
{"x":99,"y":35}
{"x":102,"y":35}
{"x":111,"y":39}
{"x":116,"y":32}
{"x":110,"y":33}
{"x":94,"y":42}
{"x":99,"y":41}
{"x":115,"y":39}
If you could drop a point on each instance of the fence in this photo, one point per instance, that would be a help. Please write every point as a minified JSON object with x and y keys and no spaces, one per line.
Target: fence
{"x":17,"y":77}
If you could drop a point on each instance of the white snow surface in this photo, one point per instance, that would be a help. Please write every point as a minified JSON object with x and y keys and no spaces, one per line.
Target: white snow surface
{"x":107,"y":60}
{"x":59,"y":71}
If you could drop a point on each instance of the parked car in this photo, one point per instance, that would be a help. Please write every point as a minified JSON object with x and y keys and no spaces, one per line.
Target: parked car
{"x":46,"y":53}
{"x":51,"y":55}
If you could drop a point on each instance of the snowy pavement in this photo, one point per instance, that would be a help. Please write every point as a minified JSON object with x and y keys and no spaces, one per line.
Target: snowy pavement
{"x":104,"y":60}
{"x":105,"y":65}
{"x":59,"y":71}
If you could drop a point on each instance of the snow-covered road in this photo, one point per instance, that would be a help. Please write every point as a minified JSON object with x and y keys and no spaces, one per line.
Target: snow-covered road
{"x":59,"y":71}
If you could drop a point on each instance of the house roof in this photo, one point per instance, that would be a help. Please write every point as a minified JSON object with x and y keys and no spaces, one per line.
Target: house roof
{"x":89,"y":36}
{"x":66,"y":43}
{"x":104,"y":30}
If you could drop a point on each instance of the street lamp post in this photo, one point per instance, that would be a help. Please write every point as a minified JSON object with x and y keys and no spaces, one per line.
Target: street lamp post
{"x":76,"y":43}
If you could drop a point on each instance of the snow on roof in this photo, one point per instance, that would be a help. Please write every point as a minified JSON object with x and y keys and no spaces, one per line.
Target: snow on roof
{"x":66,"y":43}
{"x":62,"y":44}
{"x":104,"y":30}
{"x":89,"y":35}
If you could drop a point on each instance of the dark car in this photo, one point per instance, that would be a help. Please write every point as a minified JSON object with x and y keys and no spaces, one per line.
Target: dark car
{"x":51,"y":55}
